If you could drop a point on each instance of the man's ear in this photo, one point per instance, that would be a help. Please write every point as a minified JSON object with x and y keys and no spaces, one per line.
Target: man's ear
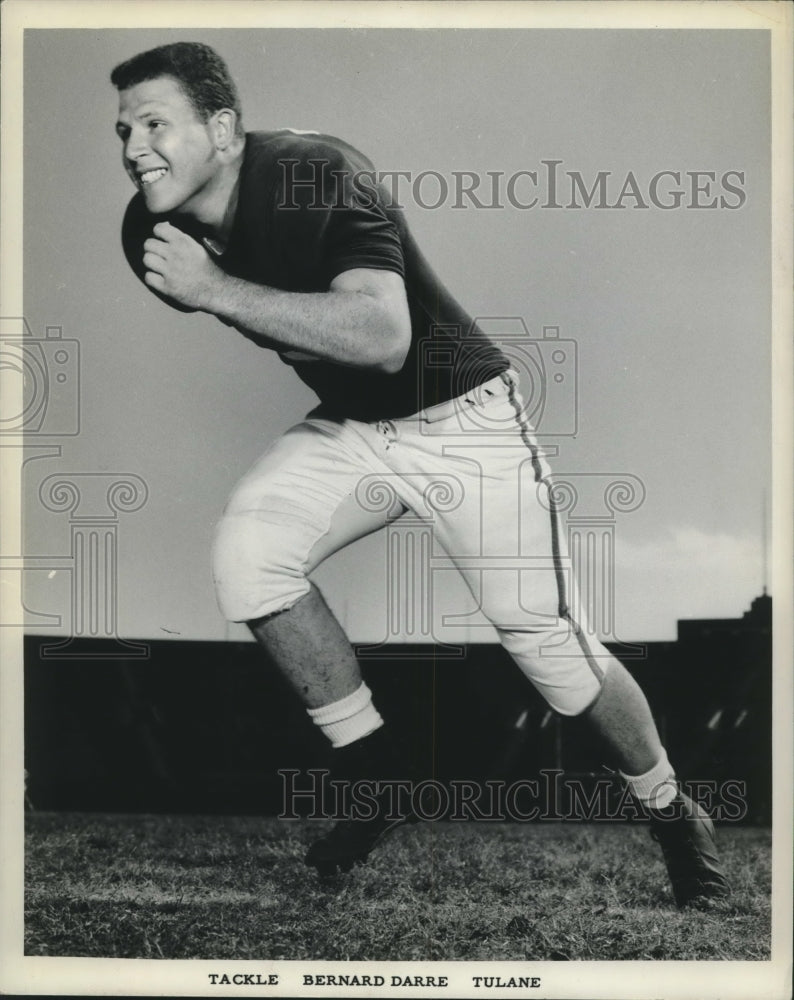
{"x":223,"y":124}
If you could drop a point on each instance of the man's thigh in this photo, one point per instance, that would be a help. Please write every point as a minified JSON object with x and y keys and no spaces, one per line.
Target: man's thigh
{"x":487,"y":496}
{"x":297,"y":505}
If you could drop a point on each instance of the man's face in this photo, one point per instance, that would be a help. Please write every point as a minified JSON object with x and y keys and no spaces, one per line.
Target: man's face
{"x":168,"y":151}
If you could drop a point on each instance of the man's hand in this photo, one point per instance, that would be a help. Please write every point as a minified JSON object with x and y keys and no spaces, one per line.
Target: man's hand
{"x":179,"y":267}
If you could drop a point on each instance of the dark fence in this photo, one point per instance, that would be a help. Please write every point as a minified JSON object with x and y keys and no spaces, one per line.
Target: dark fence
{"x":206,"y":727}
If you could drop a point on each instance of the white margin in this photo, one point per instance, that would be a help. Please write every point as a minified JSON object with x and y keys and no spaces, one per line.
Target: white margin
{"x":612,"y":981}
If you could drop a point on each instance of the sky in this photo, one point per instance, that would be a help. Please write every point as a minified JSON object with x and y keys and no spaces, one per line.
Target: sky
{"x":667,"y":311}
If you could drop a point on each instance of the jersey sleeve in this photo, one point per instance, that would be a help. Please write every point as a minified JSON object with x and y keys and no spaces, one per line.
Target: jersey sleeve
{"x":330,"y":216}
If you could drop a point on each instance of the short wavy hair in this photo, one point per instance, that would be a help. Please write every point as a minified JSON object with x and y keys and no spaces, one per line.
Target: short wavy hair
{"x":198,"y":69}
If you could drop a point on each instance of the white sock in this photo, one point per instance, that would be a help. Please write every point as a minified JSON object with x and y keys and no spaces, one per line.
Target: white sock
{"x":348,"y":719}
{"x":656,"y":788}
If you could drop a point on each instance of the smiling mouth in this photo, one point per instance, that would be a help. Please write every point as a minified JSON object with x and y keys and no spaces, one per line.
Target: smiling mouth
{"x":152,"y":176}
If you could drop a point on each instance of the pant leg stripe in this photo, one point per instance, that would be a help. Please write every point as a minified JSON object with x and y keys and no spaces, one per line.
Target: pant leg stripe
{"x":564,"y":610}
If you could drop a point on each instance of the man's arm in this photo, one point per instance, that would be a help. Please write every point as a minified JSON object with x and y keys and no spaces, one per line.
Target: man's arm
{"x":361,"y":321}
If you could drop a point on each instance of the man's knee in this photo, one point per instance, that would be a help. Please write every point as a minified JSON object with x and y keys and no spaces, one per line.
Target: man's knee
{"x":566,"y":666}
{"x":257,"y":566}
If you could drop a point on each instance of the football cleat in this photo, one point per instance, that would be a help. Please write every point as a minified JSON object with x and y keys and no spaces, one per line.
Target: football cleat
{"x":350,"y":842}
{"x":686,"y":835}
{"x":372,"y":759}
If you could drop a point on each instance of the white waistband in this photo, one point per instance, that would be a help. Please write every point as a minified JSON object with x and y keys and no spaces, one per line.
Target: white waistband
{"x":501,"y":385}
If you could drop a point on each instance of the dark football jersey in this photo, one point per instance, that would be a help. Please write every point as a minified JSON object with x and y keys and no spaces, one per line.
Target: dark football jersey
{"x":308,"y":209}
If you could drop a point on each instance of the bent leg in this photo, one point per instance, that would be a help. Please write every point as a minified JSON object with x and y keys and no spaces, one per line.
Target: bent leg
{"x":295,"y":507}
{"x":512,"y":526}
{"x":505,"y":537}
{"x":571,"y":669}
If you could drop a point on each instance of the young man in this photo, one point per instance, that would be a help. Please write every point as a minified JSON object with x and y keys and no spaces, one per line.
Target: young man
{"x":287,"y":238}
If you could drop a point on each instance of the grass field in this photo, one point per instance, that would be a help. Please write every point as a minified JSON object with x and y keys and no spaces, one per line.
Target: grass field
{"x":236,"y":888}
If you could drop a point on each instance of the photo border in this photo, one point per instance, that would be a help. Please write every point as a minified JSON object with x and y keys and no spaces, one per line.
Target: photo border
{"x":634,"y":980}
